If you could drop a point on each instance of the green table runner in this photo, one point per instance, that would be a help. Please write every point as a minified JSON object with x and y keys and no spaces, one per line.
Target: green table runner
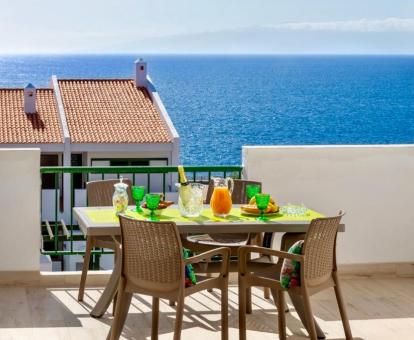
{"x":107,"y":216}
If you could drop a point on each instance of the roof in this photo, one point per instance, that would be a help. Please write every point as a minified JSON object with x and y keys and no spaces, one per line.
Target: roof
{"x":111,"y":111}
{"x":17,"y":127}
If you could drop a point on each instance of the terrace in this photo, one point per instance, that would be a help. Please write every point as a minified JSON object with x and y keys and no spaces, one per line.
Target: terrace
{"x":55,"y":313}
{"x":376,"y":260}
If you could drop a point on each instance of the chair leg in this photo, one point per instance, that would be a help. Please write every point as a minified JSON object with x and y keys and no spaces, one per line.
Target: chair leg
{"x":309,"y":315}
{"x":249,"y":300}
{"x":265,"y":241}
{"x":249,"y":296}
{"x":155,"y":318}
{"x":85,"y":267}
{"x":281,"y":315}
{"x":114,"y":303}
{"x":275,"y":299}
{"x":209,"y":275}
{"x":280,"y":303}
{"x":342,"y":310}
{"x":242,"y":308}
{"x":298,"y":304}
{"x":116,"y":294}
{"x":224,"y":311}
{"x":179,"y":318}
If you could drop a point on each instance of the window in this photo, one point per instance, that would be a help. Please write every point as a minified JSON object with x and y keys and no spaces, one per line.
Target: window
{"x":48,"y":180}
{"x":76,"y":160}
{"x":128,"y":162}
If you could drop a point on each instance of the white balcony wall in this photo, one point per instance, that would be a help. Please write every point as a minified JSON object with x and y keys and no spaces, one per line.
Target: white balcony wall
{"x":374,"y":184}
{"x":20,"y":209}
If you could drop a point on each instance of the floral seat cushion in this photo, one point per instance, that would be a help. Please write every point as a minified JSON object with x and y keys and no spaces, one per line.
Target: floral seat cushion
{"x":290,"y":272}
{"x":190,"y":278}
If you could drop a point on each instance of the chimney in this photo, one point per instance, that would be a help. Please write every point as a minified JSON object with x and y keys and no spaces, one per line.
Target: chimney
{"x":30,"y":99}
{"x":140,"y":73}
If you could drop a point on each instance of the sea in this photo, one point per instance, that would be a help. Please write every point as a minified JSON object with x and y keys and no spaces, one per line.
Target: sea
{"x":220,"y":103}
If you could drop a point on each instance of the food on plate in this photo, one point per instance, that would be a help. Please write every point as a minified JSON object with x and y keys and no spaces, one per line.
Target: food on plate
{"x":251,"y":208}
{"x":253,"y":201}
{"x":162,"y":205}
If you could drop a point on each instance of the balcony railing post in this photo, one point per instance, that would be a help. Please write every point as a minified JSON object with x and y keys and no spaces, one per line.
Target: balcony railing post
{"x":72,"y":203}
{"x":56,"y":213}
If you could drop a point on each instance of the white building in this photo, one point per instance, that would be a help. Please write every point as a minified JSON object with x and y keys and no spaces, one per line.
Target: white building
{"x":89,"y":122}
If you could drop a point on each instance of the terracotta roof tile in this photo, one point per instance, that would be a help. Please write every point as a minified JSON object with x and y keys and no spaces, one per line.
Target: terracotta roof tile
{"x":18,"y":127}
{"x":111,"y":111}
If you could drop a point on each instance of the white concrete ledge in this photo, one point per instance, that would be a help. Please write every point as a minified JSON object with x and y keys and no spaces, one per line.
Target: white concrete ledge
{"x":401,"y":270}
{"x":330,"y":146}
{"x":101,"y":277}
{"x":53,"y":279}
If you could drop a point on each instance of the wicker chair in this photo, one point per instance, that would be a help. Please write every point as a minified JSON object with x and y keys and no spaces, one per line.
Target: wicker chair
{"x":205,"y":242}
{"x":153,"y":264}
{"x":99,"y":193}
{"x":318,"y":271}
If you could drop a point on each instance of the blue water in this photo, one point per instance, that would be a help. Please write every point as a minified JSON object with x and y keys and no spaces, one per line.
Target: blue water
{"x":219,"y":103}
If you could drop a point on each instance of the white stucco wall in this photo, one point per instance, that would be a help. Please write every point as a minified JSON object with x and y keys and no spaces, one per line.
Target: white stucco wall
{"x":374,"y":184}
{"x":19,"y":209}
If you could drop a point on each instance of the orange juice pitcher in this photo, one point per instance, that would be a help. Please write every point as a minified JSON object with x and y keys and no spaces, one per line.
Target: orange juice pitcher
{"x":221,"y":202}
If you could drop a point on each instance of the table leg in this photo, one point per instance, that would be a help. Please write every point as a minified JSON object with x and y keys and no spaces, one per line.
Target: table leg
{"x":85,"y":267}
{"x":267,"y":239}
{"x":110,"y":289}
{"x":297,"y":302}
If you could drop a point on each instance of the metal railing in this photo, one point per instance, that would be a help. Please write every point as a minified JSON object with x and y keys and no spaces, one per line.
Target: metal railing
{"x":60,"y":231}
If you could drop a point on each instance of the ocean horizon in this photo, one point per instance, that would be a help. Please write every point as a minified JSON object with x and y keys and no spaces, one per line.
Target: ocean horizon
{"x":220,"y":102}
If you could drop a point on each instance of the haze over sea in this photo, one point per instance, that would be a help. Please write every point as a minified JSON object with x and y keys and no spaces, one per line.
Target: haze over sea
{"x":219,"y":103}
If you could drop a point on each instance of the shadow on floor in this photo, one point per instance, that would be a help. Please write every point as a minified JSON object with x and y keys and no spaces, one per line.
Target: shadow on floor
{"x":36,"y":307}
{"x":138,"y":324}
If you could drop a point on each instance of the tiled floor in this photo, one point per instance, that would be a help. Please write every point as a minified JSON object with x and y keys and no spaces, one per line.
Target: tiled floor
{"x":378,"y":309}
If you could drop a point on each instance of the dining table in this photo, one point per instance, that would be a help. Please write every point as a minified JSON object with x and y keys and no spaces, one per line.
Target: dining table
{"x":102,"y":221}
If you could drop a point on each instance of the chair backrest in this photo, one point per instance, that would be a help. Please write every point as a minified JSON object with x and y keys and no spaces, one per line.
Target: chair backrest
{"x":239,"y":191}
{"x":152,"y":255}
{"x":99,"y":193}
{"x":319,"y":249}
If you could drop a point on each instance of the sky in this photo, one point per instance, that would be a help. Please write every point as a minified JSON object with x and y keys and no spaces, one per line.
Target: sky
{"x":213,"y":26}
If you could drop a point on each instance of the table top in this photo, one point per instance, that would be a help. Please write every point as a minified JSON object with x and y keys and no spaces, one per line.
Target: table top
{"x":101,"y":221}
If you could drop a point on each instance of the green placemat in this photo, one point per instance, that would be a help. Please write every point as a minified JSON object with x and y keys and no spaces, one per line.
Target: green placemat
{"x":107,"y":216}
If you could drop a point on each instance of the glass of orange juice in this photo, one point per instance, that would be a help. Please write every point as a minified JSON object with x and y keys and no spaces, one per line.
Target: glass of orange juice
{"x":221,"y":202}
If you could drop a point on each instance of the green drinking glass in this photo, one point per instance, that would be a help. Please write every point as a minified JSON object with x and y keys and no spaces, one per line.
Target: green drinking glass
{"x":262,"y":201}
{"x":251,"y":191}
{"x":152,"y":200}
{"x":138,"y":193}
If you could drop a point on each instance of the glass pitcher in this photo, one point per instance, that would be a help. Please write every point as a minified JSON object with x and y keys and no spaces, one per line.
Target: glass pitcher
{"x":221,"y":202}
{"x":120,"y":197}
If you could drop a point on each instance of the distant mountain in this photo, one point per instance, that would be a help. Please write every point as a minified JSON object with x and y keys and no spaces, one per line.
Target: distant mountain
{"x":388,"y":36}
